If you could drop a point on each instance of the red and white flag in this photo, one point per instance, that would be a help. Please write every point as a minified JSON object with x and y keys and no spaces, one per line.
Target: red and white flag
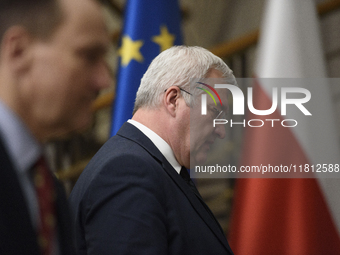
{"x":289,"y":216}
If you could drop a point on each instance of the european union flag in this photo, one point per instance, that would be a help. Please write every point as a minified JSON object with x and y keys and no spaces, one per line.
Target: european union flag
{"x":151,"y":26}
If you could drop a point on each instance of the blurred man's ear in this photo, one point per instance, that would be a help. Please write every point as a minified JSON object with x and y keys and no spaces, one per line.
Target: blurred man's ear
{"x":16,"y":48}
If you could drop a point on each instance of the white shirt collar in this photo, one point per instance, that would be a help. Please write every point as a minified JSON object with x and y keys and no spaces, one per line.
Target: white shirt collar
{"x":22,"y":147}
{"x":161,"y":145}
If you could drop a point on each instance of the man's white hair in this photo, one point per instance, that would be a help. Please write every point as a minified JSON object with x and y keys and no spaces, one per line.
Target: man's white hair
{"x":176,"y":67}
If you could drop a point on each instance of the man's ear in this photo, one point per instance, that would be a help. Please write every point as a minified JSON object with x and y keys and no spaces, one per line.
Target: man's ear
{"x":170,"y":99}
{"x":15,"y":48}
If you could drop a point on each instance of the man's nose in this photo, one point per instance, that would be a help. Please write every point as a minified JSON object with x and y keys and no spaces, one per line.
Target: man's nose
{"x":101,"y":76}
{"x":220,"y":131}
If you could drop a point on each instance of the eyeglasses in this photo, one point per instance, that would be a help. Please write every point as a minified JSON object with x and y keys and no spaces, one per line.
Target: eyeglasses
{"x":181,"y":90}
{"x":214,"y":111}
{"x":185,"y":91}
{"x":218,"y":113}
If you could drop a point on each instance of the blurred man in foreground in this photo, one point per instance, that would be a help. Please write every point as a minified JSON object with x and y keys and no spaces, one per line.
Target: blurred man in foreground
{"x":51,"y":68}
{"x":136,"y":196}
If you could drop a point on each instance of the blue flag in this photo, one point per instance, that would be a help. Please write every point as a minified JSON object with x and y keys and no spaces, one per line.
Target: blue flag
{"x":151,"y":26}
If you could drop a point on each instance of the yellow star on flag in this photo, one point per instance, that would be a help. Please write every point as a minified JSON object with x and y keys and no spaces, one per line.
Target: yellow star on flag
{"x":165,"y":40}
{"x":130,"y":50}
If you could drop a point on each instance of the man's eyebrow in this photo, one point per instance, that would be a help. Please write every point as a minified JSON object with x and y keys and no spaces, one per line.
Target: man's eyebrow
{"x":225,"y":108}
{"x":95,"y":50}
{"x":99,"y":48}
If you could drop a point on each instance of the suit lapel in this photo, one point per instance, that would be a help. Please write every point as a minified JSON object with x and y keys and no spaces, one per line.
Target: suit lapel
{"x":14,"y":216}
{"x":194,"y":189}
{"x":65,"y":226}
{"x":132,"y":133}
{"x":197,"y":203}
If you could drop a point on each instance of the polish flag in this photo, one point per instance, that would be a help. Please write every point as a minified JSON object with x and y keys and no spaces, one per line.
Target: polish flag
{"x":289,"y":216}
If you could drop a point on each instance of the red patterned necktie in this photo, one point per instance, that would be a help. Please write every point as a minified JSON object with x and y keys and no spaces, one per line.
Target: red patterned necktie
{"x":45,"y":190}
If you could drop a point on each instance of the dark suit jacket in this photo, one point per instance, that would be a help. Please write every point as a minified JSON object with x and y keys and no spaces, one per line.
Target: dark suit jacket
{"x":17,"y":235}
{"x":130,"y":200}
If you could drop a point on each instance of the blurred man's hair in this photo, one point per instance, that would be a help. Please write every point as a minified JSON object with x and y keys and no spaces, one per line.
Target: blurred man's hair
{"x":38,"y":17}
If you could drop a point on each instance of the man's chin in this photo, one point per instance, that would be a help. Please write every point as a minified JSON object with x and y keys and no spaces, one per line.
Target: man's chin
{"x":199,"y":159}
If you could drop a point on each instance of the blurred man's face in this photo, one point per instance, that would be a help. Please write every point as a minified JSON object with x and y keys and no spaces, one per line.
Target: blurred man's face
{"x":202,"y":132}
{"x":68,"y":70}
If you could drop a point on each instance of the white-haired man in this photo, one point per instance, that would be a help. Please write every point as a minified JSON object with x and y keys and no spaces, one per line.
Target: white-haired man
{"x":135,"y":196}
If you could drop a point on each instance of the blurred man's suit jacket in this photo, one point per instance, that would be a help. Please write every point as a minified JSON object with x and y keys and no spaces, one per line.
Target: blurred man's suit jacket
{"x":17,"y":235}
